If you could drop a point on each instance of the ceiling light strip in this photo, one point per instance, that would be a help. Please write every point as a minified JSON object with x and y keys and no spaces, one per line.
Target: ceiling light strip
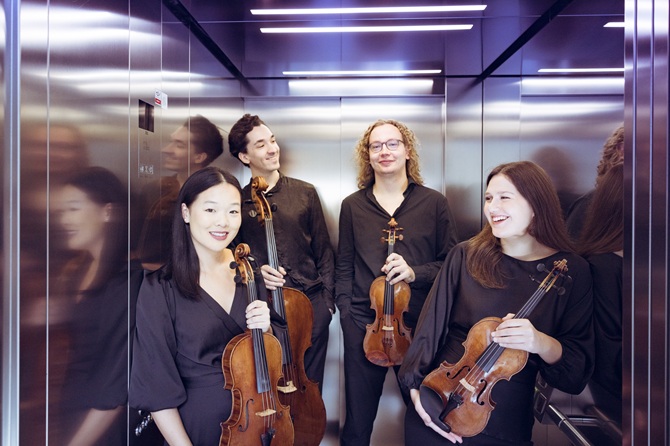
{"x":580,"y":70}
{"x":358,"y":72}
{"x":614,"y":25}
{"x":364,"y":29}
{"x":377,"y":10}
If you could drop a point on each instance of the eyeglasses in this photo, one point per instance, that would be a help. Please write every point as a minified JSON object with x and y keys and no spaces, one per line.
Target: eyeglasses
{"x":391,"y":144}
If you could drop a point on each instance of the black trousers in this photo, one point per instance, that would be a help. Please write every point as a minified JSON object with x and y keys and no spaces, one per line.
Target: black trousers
{"x":363,"y":384}
{"x":315,"y":356}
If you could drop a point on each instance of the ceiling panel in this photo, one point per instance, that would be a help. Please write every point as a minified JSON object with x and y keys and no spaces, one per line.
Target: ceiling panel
{"x":575,"y":38}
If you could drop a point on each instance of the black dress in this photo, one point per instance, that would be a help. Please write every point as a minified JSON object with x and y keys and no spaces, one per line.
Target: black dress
{"x":177,"y":354}
{"x":456,"y":302}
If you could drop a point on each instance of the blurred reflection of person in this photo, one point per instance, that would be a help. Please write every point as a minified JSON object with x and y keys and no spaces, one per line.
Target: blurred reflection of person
{"x":192,"y":146}
{"x":602,"y":245}
{"x":49,"y":153}
{"x":94,"y":302}
{"x":612,"y":155}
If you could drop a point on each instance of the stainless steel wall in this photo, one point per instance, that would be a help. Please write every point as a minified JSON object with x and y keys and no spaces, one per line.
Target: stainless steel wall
{"x":646,"y":302}
{"x":85,"y":67}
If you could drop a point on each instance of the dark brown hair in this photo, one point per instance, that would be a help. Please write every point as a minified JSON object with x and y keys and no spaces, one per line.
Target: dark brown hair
{"x":237,"y":138}
{"x":603,"y":229}
{"x":484,"y":250}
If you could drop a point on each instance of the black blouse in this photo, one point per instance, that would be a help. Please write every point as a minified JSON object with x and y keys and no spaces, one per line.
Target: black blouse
{"x":177,"y":353}
{"x":456,"y":302}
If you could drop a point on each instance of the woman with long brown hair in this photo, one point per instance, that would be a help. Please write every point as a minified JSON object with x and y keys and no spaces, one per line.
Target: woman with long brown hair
{"x":494,"y":274}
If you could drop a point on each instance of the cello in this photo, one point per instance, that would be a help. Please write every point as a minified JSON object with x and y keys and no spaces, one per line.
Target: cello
{"x":458,"y":396}
{"x":251,"y":364}
{"x":387,"y":338}
{"x":295,"y":389}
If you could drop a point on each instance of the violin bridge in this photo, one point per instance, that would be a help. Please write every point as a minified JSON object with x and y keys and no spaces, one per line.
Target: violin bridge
{"x":387,"y":328}
{"x":266,"y":413}
{"x":467,"y":385}
{"x":288,"y":388}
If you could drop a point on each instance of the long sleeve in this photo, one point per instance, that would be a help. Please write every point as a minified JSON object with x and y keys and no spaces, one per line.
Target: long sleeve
{"x":322,"y":249}
{"x":344,"y":265}
{"x":433,"y":325}
{"x":575,"y":333}
{"x":155,"y":382}
{"x":445,"y":239}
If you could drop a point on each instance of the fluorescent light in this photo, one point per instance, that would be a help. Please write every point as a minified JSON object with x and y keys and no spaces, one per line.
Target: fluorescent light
{"x":572,"y":85}
{"x":359,"y":72}
{"x":379,"y":10}
{"x":580,"y":70}
{"x":364,"y":29}
{"x":360,"y":87}
{"x":614,"y":25}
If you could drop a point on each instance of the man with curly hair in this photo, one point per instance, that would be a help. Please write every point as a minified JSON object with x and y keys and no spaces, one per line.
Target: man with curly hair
{"x":390,"y":186}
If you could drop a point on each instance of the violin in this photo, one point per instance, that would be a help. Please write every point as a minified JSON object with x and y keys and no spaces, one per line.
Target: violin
{"x":458,"y":397}
{"x":251,"y":364}
{"x":387,"y":338}
{"x":296,"y":390}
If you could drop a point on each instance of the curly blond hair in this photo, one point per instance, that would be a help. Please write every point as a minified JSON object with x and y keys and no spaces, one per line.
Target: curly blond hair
{"x":366,"y":176}
{"x":612,"y":153}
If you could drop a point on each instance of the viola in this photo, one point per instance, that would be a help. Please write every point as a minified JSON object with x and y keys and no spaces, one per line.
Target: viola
{"x":458,"y":396}
{"x":251,"y":365}
{"x":387,"y":338}
{"x":296,"y":390}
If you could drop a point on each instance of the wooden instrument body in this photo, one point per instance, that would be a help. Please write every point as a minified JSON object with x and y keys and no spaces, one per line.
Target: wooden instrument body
{"x":469,"y":381}
{"x":308,"y":410}
{"x":296,"y":390}
{"x":249,"y":420}
{"x":387,"y":338}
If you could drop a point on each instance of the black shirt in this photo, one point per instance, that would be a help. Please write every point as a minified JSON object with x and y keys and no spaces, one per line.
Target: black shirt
{"x":428,"y":234}
{"x":303,"y":244}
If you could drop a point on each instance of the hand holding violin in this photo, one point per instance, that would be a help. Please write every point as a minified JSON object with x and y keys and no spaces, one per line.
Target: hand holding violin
{"x":258,"y":315}
{"x":520,"y":334}
{"x":397,"y":269}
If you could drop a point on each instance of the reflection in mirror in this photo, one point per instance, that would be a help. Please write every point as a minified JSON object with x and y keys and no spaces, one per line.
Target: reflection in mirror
{"x":192,"y":146}
{"x":601,"y":244}
{"x":90,"y":310}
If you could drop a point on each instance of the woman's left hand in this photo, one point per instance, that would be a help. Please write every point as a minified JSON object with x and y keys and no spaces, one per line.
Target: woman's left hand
{"x":258,"y":315}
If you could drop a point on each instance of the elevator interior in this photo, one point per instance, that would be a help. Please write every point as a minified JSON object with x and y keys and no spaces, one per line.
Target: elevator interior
{"x":105,"y":83}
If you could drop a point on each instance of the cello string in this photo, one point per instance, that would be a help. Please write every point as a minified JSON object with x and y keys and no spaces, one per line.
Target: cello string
{"x":280,"y":305}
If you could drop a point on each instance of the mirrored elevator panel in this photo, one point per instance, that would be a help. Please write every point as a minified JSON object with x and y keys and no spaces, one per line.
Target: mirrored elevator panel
{"x":109,"y":88}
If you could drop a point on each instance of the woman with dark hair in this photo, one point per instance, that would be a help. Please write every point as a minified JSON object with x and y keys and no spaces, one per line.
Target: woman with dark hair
{"x":96,"y":301}
{"x":602,"y":245}
{"x":494,"y":274}
{"x":189,"y":310}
